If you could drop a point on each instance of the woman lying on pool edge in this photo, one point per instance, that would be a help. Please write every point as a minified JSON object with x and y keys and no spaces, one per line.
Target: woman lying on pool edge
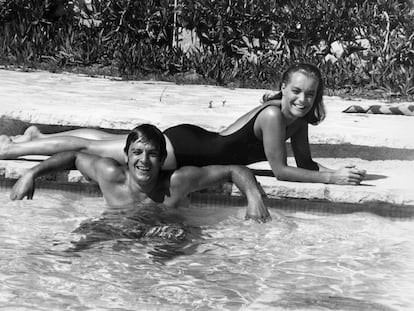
{"x":258,"y":135}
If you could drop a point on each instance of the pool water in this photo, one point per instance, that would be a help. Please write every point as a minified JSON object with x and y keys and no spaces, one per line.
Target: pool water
{"x":304,"y":261}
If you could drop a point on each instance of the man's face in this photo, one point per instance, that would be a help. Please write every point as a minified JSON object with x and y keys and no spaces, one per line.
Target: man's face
{"x":143,"y":161}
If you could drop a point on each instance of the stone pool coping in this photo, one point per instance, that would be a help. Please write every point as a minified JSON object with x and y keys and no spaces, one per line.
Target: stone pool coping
{"x":69,"y":99}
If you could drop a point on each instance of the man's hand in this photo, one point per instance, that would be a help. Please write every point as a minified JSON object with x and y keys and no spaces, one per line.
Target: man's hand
{"x":24,"y":187}
{"x":257,"y":211}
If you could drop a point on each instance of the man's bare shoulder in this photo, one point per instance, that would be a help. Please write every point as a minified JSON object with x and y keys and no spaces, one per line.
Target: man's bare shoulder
{"x":110,"y":170}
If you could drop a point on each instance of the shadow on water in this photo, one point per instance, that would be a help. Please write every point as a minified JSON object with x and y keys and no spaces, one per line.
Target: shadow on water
{"x":164,"y":231}
{"x":321,"y":207}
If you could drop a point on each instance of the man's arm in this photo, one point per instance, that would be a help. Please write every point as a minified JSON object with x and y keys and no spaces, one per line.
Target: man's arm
{"x":24,"y":187}
{"x":190,"y":179}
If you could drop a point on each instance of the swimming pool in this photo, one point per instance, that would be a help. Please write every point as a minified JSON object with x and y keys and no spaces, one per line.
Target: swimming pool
{"x":308,"y":261}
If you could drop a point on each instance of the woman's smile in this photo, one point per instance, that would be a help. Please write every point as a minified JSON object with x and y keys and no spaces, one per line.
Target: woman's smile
{"x":298,"y":95}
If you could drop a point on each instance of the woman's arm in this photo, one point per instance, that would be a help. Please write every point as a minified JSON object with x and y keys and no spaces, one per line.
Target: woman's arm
{"x":348,"y":175}
{"x":273,"y":130}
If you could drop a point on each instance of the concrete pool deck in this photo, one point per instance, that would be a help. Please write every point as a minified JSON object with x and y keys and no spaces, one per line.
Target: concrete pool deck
{"x":381,"y":144}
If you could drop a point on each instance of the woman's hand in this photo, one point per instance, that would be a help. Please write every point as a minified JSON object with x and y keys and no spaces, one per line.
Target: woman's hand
{"x":24,"y":187}
{"x":348,"y":175}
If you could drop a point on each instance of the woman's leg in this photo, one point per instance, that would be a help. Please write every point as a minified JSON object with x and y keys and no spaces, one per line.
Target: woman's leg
{"x":111,"y":148}
{"x":55,"y":143}
{"x":33,"y":132}
{"x":92,"y":141}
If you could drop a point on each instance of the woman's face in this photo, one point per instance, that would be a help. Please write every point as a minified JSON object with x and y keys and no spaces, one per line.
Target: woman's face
{"x":298,"y":95}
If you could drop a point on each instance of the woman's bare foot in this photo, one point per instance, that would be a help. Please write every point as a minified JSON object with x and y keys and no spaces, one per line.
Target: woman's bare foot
{"x":32,"y":132}
{"x":5,"y":142}
{"x":4,"y":139}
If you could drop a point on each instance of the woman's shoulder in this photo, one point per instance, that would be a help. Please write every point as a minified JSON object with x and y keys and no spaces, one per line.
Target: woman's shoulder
{"x":270,"y":110}
{"x":270,"y":117}
{"x":251,"y":116}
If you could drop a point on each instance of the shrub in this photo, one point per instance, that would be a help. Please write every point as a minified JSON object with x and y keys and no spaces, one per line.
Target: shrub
{"x":247,"y":42}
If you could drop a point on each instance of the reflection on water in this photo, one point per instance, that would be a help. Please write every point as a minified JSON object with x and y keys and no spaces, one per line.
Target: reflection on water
{"x":124,"y":226}
{"x":69,"y":253}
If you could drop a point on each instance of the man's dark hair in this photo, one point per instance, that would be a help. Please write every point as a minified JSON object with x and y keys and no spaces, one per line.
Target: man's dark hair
{"x":149,"y":133}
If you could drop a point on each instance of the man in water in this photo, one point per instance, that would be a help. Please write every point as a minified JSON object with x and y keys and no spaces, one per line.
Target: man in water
{"x":141,"y":179}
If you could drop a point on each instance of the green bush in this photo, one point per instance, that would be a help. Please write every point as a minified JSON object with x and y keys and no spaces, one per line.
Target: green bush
{"x":263,"y":37}
{"x":244,"y":43}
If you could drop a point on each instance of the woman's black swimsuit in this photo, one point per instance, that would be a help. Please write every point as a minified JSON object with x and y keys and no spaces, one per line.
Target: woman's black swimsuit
{"x":196,"y":146}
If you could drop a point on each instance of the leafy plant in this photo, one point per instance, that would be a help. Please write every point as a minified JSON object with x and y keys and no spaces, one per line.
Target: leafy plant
{"x":247,"y":43}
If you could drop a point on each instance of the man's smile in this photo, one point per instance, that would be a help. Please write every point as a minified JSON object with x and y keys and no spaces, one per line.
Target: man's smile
{"x":143,"y":168}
